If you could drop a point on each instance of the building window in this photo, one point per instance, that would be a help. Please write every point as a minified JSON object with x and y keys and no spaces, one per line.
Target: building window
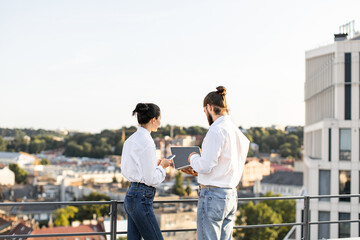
{"x":329,"y":144}
{"x":324,"y":229}
{"x":347,"y":86}
{"x":324,"y":184}
{"x":344,"y":184}
{"x":345,"y":144}
{"x":344,"y":228}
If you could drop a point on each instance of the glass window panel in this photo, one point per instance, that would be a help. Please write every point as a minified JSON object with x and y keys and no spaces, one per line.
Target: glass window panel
{"x":324,"y":184}
{"x":324,"y":229}
{"x":344,"y":228}
{"x":345,"y":144}
{"x":344,"y":184}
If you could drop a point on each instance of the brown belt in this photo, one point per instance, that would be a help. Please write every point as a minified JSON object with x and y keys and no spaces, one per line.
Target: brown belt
{"x":209,"y":186}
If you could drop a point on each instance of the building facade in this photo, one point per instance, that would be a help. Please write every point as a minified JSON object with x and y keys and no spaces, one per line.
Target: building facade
{"x":7,"y":177}
{"x":254,"y":170}
{"x":331,"y":137}
{"x":282,"y":182}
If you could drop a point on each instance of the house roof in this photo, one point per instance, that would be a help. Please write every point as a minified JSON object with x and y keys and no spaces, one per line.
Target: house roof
{"x":4,"y":224}
{"x":19,"y":191}
{"x":284,"y":178}
{"x":20,"y":229}
{"x":9,"y":155}
{"x":58,"y":230}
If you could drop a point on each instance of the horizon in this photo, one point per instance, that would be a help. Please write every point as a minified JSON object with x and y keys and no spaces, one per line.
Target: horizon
{"x":136,"y":126}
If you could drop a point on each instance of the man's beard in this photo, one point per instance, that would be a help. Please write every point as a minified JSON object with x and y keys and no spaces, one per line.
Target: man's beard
{"x":209,"y":118}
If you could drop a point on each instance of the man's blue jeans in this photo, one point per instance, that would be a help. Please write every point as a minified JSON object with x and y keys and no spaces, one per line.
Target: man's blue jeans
{"x":216,"y":213}
{"x":138,"y":205}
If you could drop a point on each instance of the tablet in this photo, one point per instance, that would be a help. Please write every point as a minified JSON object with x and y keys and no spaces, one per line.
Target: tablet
{"x":180,"y":160}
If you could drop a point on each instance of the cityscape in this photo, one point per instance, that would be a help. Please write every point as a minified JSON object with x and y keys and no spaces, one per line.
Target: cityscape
{"x":61,"y":166}
{"x":73,"y":72}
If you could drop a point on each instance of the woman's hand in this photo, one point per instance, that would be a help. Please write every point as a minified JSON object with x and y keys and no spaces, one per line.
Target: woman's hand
{"x":164,"y":162}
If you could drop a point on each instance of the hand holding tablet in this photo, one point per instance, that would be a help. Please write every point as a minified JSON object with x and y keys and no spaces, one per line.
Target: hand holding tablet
{"x":181,"y":159}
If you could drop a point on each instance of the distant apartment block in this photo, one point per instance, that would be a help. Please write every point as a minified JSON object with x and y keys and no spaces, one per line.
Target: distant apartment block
{"x":284,"y":183}
{"x":177,"y":220}
{"x":7,"y":177}
{"x":254,"y":170}
{"x":20,"y":158}
{"x":331,"y":135}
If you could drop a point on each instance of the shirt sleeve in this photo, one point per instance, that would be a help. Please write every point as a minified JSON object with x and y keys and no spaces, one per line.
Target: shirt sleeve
{"x":211,"y":149}
{"x":153,"y":174}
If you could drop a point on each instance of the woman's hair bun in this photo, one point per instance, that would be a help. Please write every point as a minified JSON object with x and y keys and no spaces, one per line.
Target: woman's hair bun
{"x":141,"y":108}
{"x":221,"y":90}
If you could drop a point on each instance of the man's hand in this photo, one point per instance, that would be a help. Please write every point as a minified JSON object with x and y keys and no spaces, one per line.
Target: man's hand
{"x":190,"y":171}
{"x":193,"y":153}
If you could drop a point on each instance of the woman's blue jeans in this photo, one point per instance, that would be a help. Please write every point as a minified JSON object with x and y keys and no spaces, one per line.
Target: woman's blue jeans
{"x":138,"y":205}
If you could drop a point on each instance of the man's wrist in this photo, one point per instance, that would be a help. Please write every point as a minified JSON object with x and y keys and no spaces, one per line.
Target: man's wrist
{"x":192,"y":157}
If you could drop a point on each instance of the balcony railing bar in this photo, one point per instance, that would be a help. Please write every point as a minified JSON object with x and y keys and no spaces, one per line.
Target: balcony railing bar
{"x":330,"y":222}
{"x":13,"y":204}
{"x":54,"y":235}
{"x":172,"y":201}
{"x":335,"y":196}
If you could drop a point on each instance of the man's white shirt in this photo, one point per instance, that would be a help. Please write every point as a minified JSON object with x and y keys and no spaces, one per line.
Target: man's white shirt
{"x":223,"y":156}
{"x":139,"y":162}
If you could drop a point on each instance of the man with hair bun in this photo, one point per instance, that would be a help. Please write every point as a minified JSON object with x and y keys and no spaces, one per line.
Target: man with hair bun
{"x":219,"y":169}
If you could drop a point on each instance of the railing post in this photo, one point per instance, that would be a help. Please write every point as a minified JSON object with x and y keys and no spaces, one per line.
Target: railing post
{"x":306,"y":228}
{"x":113,"y":219}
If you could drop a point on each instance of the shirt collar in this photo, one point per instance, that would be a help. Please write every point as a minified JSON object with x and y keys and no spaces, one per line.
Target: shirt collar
{"x":219,"y":120}
{"x":143,"y":130}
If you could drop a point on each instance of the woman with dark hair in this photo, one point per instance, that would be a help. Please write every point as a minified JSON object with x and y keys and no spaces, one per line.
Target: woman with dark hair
{"x":140,"y":166}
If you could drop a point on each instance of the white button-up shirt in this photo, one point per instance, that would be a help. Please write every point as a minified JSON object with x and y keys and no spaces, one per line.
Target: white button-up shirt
{"x":223,"y":156}
{"x":139,"y":162}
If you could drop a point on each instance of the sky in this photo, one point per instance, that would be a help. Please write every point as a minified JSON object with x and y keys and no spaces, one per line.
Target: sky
{"x":84,"y":65}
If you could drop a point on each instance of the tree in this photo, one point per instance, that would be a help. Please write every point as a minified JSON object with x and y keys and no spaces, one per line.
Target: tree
{"x":178,"y":188}
{"x":37,"y":145}
{"x":285,"y":150}
{"x":188,"y":189}
{"x":3,"y":145}
{"x":44,"y":161}
{"x":62,"y":215}
{"x":119,"y":147}
{"x":261,"y":213}
{"x":20,"y":174}
{"x":73,"y":149}
{"x":286,"y":208}
{"x":266,"y":212}
{"x":88,"y":211}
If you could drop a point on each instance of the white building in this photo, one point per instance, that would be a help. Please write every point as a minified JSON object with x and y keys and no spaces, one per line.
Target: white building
{"x":331,"y":134}
{"x":21,"y":158}
{"x":282,"y":182}
{"x":7,"y":177}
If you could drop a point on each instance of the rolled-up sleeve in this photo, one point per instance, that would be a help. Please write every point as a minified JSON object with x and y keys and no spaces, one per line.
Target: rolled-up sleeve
{"x":153,"y":174}
{"x":211,"y":149}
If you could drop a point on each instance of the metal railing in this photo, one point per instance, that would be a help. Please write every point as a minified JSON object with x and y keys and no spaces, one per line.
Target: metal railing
{"x":114,"y":205}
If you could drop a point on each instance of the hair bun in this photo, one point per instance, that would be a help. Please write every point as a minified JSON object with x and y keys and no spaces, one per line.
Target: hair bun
{"x":221,"y":90}
{"x":141,"y":108}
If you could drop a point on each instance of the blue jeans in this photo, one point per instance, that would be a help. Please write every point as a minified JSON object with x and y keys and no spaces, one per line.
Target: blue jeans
{"x":138,"y":205}
{"x":216,"y":213}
